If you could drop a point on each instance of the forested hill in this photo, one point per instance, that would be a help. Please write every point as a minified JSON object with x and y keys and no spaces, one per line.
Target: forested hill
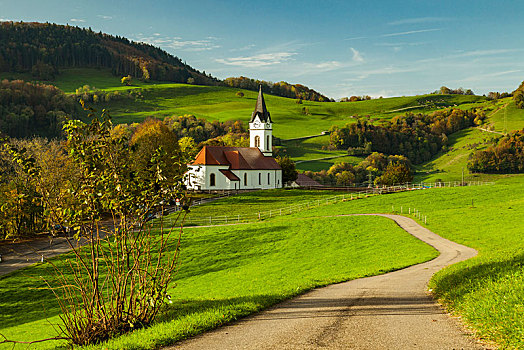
{"x":43,"y":48}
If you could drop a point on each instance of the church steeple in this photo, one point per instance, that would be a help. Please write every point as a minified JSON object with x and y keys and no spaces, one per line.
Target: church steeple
{"x":261,"y":127}
{"x":260,"y":109}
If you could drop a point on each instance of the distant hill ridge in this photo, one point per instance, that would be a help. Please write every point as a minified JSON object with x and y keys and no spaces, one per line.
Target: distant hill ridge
{"x":44,"y":48}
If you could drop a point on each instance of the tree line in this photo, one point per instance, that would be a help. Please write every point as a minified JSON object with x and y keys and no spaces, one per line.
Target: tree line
{"x":375,"y":169}
{"x":416,"y":136}
{"x":296,"y":91}
{"x":518,"y":96}
{"x":33,"y":109}
{"x":74,"y":187}
{"x":43,"y":48}
{"x":506,"y":157}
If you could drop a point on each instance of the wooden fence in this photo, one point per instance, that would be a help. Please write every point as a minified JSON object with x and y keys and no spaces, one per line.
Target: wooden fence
{"x":201,"y":220}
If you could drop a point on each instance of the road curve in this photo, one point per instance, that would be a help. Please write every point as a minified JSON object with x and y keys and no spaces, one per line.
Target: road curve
{"x":390,"y":311}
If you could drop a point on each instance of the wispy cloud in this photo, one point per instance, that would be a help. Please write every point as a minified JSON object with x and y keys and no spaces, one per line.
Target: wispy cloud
{"x":357,"y":38}
{"x":387,"y":70}
{"x":473,"y":54}
{"x":419,"y":20}
{"x":357,"y":56}
{"x":328,"y":65}
{"x":178,"y":43}
{"x":487,"y":52}
{"x":105,"y":17}
{"x":411,"y":32}
{"x":260,"y":60}
{"x":79,"y":20}
{"x":243,"y":48}
{"x":492,"y":75}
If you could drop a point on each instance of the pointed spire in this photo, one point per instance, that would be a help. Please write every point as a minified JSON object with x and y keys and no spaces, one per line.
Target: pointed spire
{"x":260,"y":109}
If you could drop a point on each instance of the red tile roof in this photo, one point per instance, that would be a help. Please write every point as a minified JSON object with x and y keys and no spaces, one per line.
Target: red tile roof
{"x":237,"y":158}
{"x":229,"y":175}
{"x":304,"y":180}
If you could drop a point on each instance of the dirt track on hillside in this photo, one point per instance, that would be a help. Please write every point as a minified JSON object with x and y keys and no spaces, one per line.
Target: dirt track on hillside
{"x":391,"y":311}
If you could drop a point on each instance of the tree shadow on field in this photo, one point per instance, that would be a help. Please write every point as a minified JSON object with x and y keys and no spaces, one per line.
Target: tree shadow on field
{"x":467,"y":277}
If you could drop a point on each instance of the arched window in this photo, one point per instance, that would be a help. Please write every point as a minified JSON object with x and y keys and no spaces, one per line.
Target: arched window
{"x":212,"y":180}
{"x":259,"y":178}
{"x":245,"y":179}
{"x":268,"y":144}
{"x":257,"y":141}
{"x":268,"y":178}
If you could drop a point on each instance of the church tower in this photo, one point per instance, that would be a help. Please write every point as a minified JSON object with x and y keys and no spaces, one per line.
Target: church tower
{"x":261,"y":127}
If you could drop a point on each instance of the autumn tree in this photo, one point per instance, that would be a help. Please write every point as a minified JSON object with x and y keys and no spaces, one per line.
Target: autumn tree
{"x":151,"y":135}
{"x":395,"y":173}
{"x":518,"y":96}
{"x":289,"y":172}
{"x":118,"y":282}
{"x":126,"y":80}
{"x":345,"y":178}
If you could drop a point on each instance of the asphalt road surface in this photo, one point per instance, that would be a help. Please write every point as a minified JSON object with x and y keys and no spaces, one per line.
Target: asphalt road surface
{"x":391,"y":311}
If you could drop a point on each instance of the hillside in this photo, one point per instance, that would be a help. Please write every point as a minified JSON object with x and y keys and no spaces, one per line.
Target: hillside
{"x":292,"y":120}
{"x":43,"y":48}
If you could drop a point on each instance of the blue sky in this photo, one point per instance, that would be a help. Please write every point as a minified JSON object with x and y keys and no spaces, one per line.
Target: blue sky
{"x":340,"y":48}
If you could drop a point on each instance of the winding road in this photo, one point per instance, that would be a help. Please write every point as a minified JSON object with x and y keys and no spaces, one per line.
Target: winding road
{"x":390,"y":311}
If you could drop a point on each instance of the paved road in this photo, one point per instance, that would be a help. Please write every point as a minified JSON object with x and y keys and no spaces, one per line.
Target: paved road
{"x":18,"y":255}
{"x":391,"y":311}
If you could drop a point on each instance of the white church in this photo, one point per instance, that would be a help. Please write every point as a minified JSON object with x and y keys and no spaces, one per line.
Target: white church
{"x":239,"y":168}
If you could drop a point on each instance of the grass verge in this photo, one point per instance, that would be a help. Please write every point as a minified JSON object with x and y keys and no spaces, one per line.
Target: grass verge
{"x":229,"y":272}
{"x":487,"y":291}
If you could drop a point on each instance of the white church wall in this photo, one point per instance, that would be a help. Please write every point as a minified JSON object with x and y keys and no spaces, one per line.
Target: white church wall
{"x":198,"y":177}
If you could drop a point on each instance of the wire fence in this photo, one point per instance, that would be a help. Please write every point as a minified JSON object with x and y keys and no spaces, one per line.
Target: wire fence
{"x":203,"y":220}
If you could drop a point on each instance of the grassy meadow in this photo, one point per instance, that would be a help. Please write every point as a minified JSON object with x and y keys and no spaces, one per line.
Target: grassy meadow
{"x":486,"y":291}
{"x":448,"y":166}
{"x":162,"y":99}
{"x":229,"y":272}
{"x":508,"y":117}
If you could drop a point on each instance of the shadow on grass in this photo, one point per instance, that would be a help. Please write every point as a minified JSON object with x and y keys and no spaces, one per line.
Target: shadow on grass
{"x":23,"y":298}
{"x":453,"y":284}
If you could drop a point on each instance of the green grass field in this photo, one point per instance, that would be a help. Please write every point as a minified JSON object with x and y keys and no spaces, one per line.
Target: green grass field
{"x":448,"y":166}
{"x":248,"y":205}
{"x":487,"y":291}
{"x":221,"y":103}
{"x":309,"y":153}
{"x":508,"y":117}
{"x":229,"y":272}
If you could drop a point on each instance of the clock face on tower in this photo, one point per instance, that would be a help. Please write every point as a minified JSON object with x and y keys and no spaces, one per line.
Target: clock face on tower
{"x":268,"y":125}
{"x":256,"y":124}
